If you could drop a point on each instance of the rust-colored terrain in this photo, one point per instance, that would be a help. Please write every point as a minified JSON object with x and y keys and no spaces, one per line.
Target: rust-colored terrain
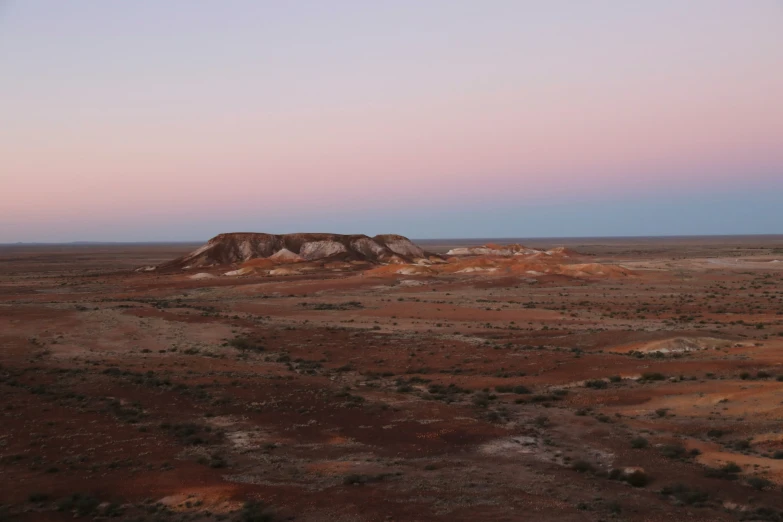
{"x":635,"y":380}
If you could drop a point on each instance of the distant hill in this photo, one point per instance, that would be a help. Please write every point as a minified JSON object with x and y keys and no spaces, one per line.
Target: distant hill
{"x":239,"y":247}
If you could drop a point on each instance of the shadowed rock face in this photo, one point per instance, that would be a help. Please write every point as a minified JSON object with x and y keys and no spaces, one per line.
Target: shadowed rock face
{"x":226,"y":249}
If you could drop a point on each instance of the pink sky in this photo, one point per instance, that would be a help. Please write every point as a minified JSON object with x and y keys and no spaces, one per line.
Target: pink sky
{"x":113,"y":112}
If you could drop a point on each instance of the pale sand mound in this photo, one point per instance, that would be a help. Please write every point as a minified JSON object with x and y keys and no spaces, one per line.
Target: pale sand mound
{"x":390,"y":270}
{"x":284,"y":272}
{"x":395,"y":260}
{"x":413,"y":270}
{"x":674,"y":345}
{"x":594,"y":269}
{"x":201,"y":275}
{"x":472,"y":269}
{"x":286,"y":256}
{"x":535,"y":265}
{"x":533,"y":268}
{"x":240,"y":271}
{"x":493,"y":249}
{"x":562,"y":251}
{"x":479,"y":251}
{"x":456,"y":265}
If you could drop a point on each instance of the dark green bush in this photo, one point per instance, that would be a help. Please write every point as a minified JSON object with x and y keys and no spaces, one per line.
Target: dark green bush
{"x":759,"y":483}
{"x":582,"y":466}
{"x":637,"y":479}
{"x":80,"y":503}
{"x":673,"y":451}
{"x":256,"y":512}
{"x":685,"y":494}
{"x":246,"y":345}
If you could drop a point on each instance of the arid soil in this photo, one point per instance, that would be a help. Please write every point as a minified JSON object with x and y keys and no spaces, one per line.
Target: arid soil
{"x":653,"y":392}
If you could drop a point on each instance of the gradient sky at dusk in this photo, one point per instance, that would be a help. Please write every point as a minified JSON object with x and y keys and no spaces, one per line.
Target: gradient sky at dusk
{"x":178,"y":120}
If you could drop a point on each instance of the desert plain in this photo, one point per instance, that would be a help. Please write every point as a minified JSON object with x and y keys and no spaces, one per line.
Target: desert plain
{"x":651,"y":390}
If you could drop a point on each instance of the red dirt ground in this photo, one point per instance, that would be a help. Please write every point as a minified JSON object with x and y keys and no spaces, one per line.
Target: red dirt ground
{"x":339,"y":395}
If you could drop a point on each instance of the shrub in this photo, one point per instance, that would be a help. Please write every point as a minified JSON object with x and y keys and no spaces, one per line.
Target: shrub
{"x":539,"y":397}
{"x":192,"y":434}
{"x":582,"y":466}
{"x":256,"y":512}
{"x":638,"y":479}
{"x":728,"y":471}
{"x":246,"y":345}
{"x":542,"y":421}
{"x":763,"y":513}
{"x":80,"y":503}
{"x":684,"y":494}
{"x":639,"y":443}
{"x":355,"y":478}
{"x":446,"y":391}
{"x":759,"y":483}
{"x":481,"y":400}
{"x":673,"y":451}
{"x":217,"y":462}
{"x":596,"y":384}
{"x":652,"y":376}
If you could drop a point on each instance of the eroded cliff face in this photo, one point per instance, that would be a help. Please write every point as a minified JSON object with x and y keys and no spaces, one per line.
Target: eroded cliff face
{"x":239,"y":247}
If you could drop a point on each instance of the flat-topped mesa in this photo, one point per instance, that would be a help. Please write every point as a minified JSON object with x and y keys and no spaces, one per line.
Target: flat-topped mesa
{"x":240,"y":247}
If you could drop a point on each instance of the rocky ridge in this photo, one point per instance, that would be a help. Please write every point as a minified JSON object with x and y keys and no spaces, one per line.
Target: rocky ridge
{"x":238,"y":248}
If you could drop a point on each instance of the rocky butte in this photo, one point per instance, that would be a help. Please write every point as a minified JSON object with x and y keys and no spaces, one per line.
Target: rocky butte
{"x":240,"y":247}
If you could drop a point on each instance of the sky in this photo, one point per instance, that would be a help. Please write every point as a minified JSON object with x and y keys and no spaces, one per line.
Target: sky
{"x":179,"y":120}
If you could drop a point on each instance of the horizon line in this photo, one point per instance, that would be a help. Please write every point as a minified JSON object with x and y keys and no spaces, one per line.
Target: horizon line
{"x":473,"y":238}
